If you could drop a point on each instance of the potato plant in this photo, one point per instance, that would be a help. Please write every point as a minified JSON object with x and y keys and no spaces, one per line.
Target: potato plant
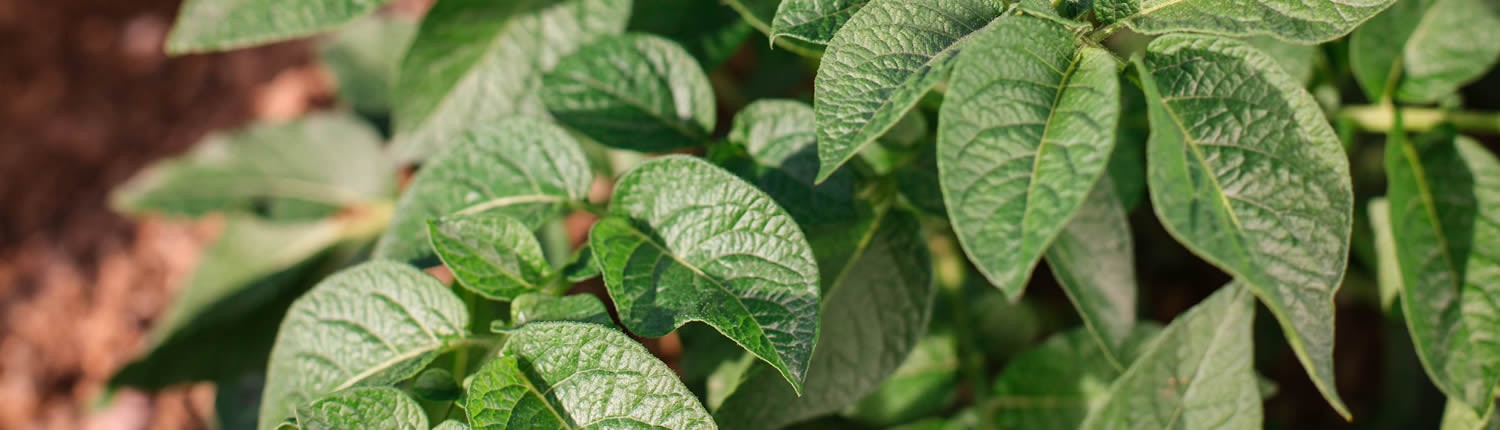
{"x":830,"y":208}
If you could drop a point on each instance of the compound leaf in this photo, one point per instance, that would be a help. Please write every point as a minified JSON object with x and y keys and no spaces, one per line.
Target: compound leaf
{"x":874,"y":312}
{"x":1444,"y":218}
{"x":1024,"y":134}
{"x":1198,"y":373}
{"x":1290,"y":20}
{"x":523,"y":168}
{"x":1245,"y":171}
{"x":688,"y":241}
{"x":363,"y":407}
{"x":304,"y":169}
{"x":372,"y":324}
{"x":638,"y":92}
{"x":537,"y":307}
{"x":477,"y":61}
{"x":814,"y":21}
{"x":1421,"y":50}
{"x":490,"y":254}
{"x":217,"y":25}
{"x":562,"y":375}
{"x":1092,"y":259}
{"x":889,"y":54}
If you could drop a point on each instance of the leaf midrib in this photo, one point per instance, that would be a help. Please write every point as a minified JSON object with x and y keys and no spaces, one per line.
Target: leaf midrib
{"x":1036,"y":161}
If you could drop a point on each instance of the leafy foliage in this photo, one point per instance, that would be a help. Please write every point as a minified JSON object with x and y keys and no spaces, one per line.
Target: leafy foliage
{"x":867,"y":259}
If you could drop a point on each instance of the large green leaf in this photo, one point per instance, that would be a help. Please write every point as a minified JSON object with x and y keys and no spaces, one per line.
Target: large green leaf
{"x":217,"y":25}
{"x":1197,"y":374}
{"x":1094,"y":262}
{"x":1421,"y":50}
{"x":1245,"y":171}
{"x":232,"y":303}
{"x":814,"y":21}
{"x":1291,"y":20}
{"x":881,"y":63}
{"x":373,"y":324}
{"x":363,"y":408}
{"x":523,"y":168}
{"x":688,"y":241}
{"x":304,"y":169}
{"x":1444,"y":197}
{"x":637,"y":92}
{"x":1057,"y":384}
{"x":490,"y":254}
{"x":874,"y":312}
{"x":1024,"y":133}
{"x":363,"y":58}
{"x":477,"y":61}
{"x":710,"y":30}
{"x":560,"y":375}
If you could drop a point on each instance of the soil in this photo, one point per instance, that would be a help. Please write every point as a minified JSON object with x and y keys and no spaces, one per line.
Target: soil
{"x":87,"y":98}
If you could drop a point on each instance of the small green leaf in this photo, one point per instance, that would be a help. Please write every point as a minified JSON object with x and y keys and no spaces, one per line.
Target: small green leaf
{"x":557,"y":375}
{"x":536,"y":307}
{"x":362,"y":407}
{"x":523,"y":168}
{"x":1444,"y":194}
{"x":1057,"y":384}
{"x":814,"y":21}
{"x":923,"y":385}
{"x":363,"y":58}
{"x":219,"y":25}
{"x":1025,"y":132}
{"x":1290,"y":20}
{"x":436,"y":384}
{"x":372,"y":324}
{"x":688,"y":241}
{"x":874,"y":312}
{"x":1093,"y":259}
{"x":780,"y":136}
{"x":232,"y":303}
{"x":581,"y":266}
{"x":638,"y":92}
{"x":1421,"y":50}
{"x":490,"y":254}
{"x":1245,"y":171}
{"x":881,"y":63}
{"x":1459,"y":416}
{"x":1198,"y":373}
{"x":710,"y":30}
{"x":304,"y":169}
{"x":474,"y":62}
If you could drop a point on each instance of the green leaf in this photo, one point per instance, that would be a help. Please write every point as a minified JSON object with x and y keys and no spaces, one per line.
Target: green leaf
{"x":1421,"y":50}
{"x":232,"y":303}
{"x":581,"y":266}
{"x":923,"y":385}
{"x":436,"y":384}
{"x":523,"y":168}
{"x":474,"y":62}
{"x":1026,"y":130}
{"x":687,"y":241}
{"x":220,"y":25}
{"x":304,"y":169}
{"x":1388,"y":273}
{"x":1093,"y":259}
{"x":451,"y":425}
{"x":373,"y":324}
{"x":1198,"y":373}
{"x":814,"y":21}
{"x":1458,"y":416}
{"x":362,"y":407}
{"x":710,"y":30}
{"x":573,"y":375}
{"x":1247,"y":173}
{"x":490,"y":254}
{"x":536,"y":307}
{"x":1289,"y":20}
{"x":363,"y":58}
{"x":874,"y":312}
{"x":638,"y":92}
{"x":881,"y":63}
{"x":1444,"y":197}
{"x":780,"y":136}
{"x":1057,"y":384}
{"x":1296,"y":59}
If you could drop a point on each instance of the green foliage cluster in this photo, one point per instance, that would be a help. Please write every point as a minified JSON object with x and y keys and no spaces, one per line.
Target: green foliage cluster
{"x":829,"y":262}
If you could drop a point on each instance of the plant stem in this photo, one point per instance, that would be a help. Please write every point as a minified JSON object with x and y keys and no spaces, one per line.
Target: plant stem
{"x":1381,"y":118}
{"x":1098,"y":36}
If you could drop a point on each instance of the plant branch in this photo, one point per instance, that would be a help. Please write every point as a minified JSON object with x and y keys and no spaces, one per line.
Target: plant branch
{"x":1381,"y":118}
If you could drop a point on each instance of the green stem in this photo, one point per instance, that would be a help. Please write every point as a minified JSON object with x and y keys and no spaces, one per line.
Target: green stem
{"x":1381,"y":118}
{"x":1098,"y":36}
